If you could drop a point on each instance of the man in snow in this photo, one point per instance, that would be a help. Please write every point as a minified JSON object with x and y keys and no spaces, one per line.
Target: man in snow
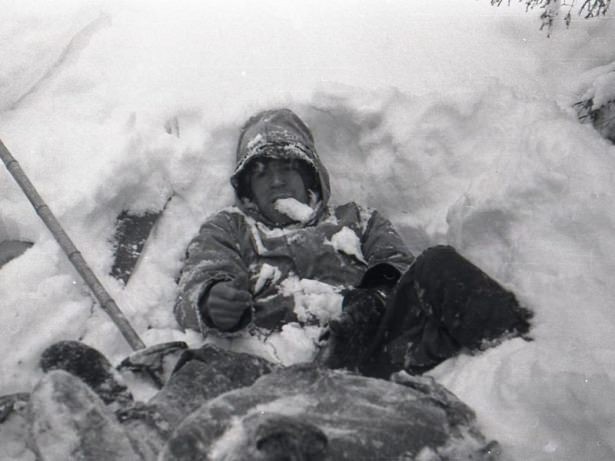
{"x":398,"y":312}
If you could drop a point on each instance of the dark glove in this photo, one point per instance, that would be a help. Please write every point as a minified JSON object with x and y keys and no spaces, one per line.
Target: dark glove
{"x":381,"y":275}
{"x":350,"y":337}
{"x":226,"y":303}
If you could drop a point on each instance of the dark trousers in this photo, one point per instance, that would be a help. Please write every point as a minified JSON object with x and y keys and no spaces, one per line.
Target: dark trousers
{"x":441,"y":305}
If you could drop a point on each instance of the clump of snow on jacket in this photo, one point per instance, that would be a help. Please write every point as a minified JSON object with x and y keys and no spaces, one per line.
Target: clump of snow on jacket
{"x":289,"y":267}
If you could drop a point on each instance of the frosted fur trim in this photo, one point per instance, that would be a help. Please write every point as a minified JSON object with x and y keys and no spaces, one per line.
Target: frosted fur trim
{"x":196,"y":295}
{"x":365,"y":214}
{"x":195,"y":305}
{"x":275,"y":150}
{"x":258,"y":243}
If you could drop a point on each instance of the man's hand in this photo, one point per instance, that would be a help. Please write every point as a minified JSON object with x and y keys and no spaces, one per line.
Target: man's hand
{"x":226,"y":303}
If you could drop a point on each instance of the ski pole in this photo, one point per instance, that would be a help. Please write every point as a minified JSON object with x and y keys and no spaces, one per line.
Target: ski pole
{"x":104,"y":298}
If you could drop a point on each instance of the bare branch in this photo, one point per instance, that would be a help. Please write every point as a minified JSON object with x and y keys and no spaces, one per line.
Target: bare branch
{"x":588,"y":9}
{"x":594,"y":8}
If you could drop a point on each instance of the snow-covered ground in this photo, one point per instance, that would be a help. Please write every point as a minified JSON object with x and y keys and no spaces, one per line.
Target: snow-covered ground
{"x":451,"y":117}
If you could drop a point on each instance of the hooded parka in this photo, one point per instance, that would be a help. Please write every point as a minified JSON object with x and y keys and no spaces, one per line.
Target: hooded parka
{"x":239,"y":244}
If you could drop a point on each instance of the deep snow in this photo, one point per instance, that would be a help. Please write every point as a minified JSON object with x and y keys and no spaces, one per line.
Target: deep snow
{"x":452,"y":118}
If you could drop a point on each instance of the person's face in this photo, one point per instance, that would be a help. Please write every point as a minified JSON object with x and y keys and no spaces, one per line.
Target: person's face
{"x":273,"y":179}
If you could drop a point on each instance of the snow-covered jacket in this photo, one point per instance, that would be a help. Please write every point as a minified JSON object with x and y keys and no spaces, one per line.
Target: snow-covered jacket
{"x":344,"y":246}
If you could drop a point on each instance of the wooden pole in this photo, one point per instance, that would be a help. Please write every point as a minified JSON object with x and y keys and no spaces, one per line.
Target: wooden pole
{"x":104,"y":299}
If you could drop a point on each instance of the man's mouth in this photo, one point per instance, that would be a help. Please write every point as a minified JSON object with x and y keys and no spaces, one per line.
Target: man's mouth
{"x":280,"y":195}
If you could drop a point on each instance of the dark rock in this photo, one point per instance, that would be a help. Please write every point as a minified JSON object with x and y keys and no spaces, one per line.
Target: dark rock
{"x":131,"y":232}
{"x":11,"y":249}
{"x":309,"y":413}
{"x":602,"y":117}
{"x":604,"y":120}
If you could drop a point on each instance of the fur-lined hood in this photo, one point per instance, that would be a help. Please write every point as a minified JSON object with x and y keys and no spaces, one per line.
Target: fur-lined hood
{"x":278,"y":133}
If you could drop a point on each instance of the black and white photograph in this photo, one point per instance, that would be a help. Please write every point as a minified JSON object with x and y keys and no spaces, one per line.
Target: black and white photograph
{"x":267,"y":230}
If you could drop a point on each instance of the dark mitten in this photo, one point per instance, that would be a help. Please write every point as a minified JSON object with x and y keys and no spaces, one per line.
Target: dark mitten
{"x":350,"y":337}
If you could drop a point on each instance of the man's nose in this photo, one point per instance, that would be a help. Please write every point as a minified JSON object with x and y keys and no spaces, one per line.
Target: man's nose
{"x":277,"y":178}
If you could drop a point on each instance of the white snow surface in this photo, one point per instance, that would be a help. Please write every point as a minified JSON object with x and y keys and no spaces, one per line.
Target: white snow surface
{"x":452,"y":118}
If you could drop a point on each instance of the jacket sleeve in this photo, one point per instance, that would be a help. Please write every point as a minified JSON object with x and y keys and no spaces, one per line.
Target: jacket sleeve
{"x":385,"y":252}
{"x":213,"y":256}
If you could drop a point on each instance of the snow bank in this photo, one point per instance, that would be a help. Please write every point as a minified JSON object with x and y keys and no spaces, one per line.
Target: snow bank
{"x":454,"y":124}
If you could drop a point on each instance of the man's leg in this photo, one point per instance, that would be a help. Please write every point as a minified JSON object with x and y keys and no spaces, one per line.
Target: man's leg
{"x":444,"y":303}
{"x":70,"y":421}
{"x":202,"y":374}
{"x":90,"y":369}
